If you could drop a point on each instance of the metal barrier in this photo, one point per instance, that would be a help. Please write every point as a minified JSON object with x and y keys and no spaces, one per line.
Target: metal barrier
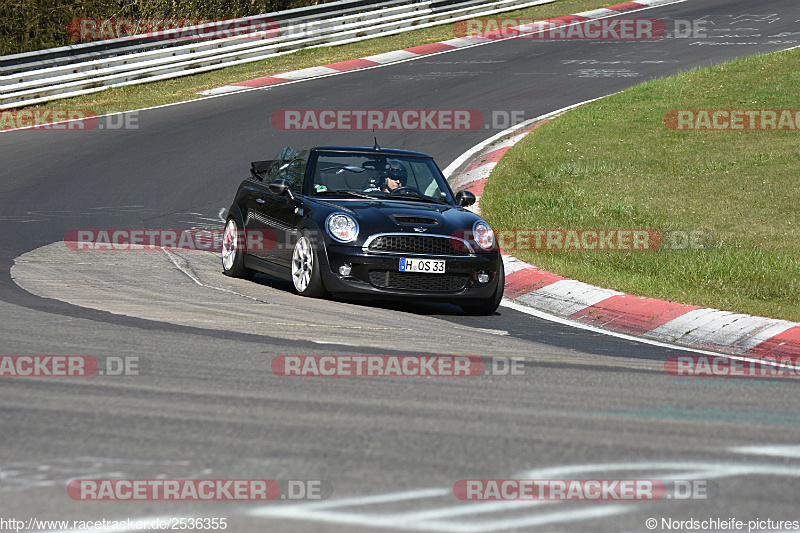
{"x":36,"y":77}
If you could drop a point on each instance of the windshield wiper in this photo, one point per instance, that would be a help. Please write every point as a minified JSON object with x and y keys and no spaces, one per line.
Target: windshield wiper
{"x":415,"y":196}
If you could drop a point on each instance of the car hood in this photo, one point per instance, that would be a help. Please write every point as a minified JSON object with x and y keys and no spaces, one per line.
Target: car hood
{"x":403,"y":216}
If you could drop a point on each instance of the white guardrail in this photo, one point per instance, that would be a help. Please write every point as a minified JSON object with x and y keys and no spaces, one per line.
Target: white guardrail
{"x":36,"y":77}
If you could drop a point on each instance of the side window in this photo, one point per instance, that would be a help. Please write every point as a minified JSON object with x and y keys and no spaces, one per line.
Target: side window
{"x":290,"y":165}
{"x":294,"y":173}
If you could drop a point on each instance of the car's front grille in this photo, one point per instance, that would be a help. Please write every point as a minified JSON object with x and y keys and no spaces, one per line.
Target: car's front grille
{"x":416,"y":281}
{"x":418,"y":244}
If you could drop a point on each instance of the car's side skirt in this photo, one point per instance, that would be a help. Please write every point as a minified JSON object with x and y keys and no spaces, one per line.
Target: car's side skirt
{"x":267,"y":268}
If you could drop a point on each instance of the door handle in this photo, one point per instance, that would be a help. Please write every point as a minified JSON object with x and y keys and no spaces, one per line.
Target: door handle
{"x":260,"y":200}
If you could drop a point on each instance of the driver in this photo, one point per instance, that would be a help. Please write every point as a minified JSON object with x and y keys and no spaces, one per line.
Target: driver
{"x":394,"y":177}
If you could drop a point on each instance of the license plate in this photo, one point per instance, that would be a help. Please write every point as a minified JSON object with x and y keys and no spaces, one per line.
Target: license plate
{"x":430,"y":266}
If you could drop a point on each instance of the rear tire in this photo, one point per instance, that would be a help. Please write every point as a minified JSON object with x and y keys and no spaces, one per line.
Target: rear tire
{"x":491,"y":304}
{"x":233,"y":247}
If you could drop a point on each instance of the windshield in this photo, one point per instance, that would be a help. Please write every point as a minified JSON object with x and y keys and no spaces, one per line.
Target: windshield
{"x":378,"y":176}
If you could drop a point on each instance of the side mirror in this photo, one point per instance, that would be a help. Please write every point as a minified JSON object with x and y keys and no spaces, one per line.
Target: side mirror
{"x":281,"y":188}
{"x":465,"y":198}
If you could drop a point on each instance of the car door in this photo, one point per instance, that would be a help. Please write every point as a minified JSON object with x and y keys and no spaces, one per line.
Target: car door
{"x":261,"y":239}
{"x":273,"y":218}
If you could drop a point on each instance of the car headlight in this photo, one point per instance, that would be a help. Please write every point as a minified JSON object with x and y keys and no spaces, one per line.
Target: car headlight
{"x":483,"y":235}
{"x":342,"y":228}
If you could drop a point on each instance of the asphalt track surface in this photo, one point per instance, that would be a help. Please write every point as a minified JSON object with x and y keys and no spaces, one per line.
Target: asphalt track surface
{"x":206,"y":404}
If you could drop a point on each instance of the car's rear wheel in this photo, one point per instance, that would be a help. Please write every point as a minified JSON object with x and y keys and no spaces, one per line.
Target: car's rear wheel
{"x":306,"y":275}
{"x":233,"y":247}
{"x":491,"y":304}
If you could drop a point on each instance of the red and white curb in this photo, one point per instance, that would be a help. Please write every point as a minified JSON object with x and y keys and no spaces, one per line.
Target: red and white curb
{"x":426,"y":49}
{"x":670,"y":322}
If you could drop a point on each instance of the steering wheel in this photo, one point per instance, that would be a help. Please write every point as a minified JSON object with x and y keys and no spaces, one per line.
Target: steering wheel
{"x":405,"y":189}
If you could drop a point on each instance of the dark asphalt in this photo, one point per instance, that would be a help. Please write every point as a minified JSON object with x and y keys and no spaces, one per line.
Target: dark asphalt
{"x":206,"y":404}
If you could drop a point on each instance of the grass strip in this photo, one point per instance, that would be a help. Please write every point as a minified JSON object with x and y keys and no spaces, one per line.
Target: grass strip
{"x":614,"y":163}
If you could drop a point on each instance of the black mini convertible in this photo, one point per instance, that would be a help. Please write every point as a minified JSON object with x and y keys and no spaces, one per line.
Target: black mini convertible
{"x":360,"y":222}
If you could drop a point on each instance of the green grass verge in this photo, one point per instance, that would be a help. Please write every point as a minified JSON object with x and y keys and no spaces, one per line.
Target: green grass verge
{"x":186,"y":88}
{"x":615,"y":164}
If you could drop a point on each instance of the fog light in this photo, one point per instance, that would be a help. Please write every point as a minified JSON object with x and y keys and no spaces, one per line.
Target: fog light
{"x":345,"y":269}
{"x":483,"y":277}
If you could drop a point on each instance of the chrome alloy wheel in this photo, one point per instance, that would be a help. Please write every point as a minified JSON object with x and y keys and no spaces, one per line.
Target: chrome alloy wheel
{"x":302,"y":264}
{"x":230,"y":243}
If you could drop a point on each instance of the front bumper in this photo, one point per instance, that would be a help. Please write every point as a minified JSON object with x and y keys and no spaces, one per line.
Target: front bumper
{"x":378,"y":276}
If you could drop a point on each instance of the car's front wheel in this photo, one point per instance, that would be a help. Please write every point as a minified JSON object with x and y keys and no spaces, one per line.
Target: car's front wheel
{"x":490,"y":305}
{"x":233,"y":251}
{"x":306,"y":275}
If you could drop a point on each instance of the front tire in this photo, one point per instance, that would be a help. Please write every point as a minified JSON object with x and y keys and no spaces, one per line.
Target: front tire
{"x":491,"y":304}
{"x":233,"y":247}
{"x":306,"y":275}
